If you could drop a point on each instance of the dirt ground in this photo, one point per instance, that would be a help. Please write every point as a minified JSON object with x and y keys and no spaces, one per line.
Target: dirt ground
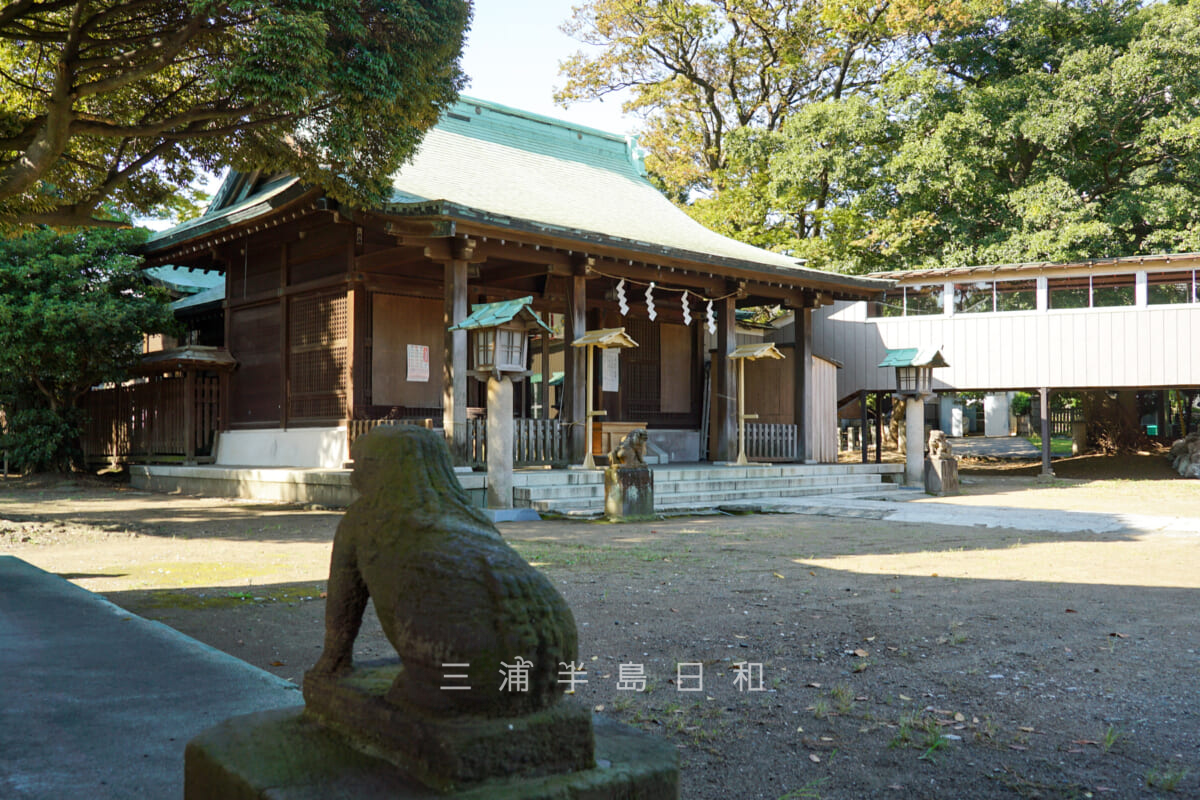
{"x":896,"y":660}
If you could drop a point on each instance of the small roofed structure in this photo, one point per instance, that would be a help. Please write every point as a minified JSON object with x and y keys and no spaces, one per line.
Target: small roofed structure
{"x":914,"y":367}
{"x":500,"y":333}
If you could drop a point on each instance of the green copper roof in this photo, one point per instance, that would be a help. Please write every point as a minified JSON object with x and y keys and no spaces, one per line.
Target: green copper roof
{"x":488,"y":163}
{"x":489,"y":315}
{"x":914,"y":357}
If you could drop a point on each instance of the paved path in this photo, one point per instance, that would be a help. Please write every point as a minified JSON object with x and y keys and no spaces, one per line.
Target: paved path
{"x":97,"y":703}
{"x":896,"y":509}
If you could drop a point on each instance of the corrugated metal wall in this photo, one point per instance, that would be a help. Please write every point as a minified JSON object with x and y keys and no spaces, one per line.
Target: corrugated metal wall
{"x":1095,"y":348}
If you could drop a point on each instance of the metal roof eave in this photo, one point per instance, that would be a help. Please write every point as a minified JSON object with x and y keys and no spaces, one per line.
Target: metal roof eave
{"x":254,"y":208}
{"x":867,"y":286}
{"x":917,"y":275}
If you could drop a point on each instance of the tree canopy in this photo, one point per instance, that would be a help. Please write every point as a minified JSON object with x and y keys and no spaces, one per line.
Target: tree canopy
{"x":106,"y":102}
{"x":73,"y":310}
{"x":987,"y":133}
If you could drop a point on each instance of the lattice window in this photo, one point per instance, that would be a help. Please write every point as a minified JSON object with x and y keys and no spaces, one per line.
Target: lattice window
{"x":317,"y":333}
{"x":640,"y":370}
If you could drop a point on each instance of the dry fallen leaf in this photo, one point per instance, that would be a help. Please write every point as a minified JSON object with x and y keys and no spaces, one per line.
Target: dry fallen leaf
{"x":777,"y":575}
{"x":905,"y":697}
{"x":1070,"y":611}
{"x":277,"y":664}
{"x":813,"y":757}
{"x":1025,"y":728}
{"x":861,"y":653}
{"x":959,"y":717}
{"x":1120,"y":635}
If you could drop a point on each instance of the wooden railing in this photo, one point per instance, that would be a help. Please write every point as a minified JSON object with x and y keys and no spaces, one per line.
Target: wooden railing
{"x":771,"y":442}
{"x":357,"y":427}
{"x":168,"y":418}
{"x":536,"y":442}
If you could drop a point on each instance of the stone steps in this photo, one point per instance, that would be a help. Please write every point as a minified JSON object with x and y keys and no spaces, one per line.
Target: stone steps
{"x":703,"y":488}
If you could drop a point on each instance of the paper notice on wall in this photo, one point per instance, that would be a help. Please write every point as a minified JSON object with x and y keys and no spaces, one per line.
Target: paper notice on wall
{"x":418,"y":363}
{"x":610,"y":378}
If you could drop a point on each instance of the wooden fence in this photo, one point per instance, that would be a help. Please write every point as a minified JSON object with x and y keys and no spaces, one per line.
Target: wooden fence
{"x":167,"y":418}
{"x":536,"y":442}
{"x":771,"y":442}
{"x":357,"y":427}
{"x":1060,"y":421}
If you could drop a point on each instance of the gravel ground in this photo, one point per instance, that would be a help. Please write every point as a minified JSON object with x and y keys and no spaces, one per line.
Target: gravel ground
{"x":887,"y":659}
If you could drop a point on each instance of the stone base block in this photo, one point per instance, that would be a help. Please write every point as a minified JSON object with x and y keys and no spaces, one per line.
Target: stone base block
{"x":941,"y":476}
{"x":628,"y":493}
{"x":287,"y":755}
{"x":451,"y":751}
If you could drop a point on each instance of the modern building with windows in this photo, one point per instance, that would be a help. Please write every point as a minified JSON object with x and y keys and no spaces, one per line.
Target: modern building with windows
{"x":1120,"y":324}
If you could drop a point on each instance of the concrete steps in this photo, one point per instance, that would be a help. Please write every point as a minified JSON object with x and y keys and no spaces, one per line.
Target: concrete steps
{"x":582,"y":493}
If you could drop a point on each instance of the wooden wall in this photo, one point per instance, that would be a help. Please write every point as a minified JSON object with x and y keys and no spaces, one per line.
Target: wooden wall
{"x":769,"y":393}
{"x":255,"y":387}
{"x":397,"y":322}
{"x":1123,"y":347}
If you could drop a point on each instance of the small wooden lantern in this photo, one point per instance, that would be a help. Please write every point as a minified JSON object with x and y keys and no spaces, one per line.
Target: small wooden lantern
{"x":499,"y":336}
{"x":914,"y":369}
{"x":742,"y":354}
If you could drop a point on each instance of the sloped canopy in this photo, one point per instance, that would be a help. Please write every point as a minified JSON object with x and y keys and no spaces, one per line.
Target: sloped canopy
{"x":491,"y":315}
{"x":753,"y":352}
{"x":605,"y":338}
{"x":914,"y":357}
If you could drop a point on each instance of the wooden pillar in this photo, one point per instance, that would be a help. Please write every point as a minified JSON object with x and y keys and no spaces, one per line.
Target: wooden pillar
{"x":1045,"y":409}
{"x":724,"y":378}
{"x":544,"y":338}
{"x":357,"y":319}
{"x":574,"y":405}
{"x":879,"y":427}
{"x":802,"y":366}
{"x":454,"y":360}
{"x":862,"y":431}
{"x":189,"y":416}
{"x":285,"y":348}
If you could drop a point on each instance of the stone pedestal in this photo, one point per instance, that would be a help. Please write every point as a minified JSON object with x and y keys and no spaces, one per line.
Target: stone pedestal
{"x":450,"y":750}
{"x":628,"y":494}
{"x":500,"y":442}
{"x":287,"y":755}
{"x":1078,"y":438}
{"x":941,"y":476}
{"x":914,"y":445}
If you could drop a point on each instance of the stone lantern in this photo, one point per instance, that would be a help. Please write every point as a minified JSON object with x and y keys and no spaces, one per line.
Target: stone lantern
{"x":914,"y":379}
{"x":499,"y":338}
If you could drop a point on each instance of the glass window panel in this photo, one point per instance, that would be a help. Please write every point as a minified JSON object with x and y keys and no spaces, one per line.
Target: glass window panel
{"x":973,"y":298}
{"x":890,"y":305}
{"x":1069,"y":292}
{"x":1166,"y":288}
{"x":924,"y":300}
{"x":1113,"y":290}
{"x":1016,"y":295}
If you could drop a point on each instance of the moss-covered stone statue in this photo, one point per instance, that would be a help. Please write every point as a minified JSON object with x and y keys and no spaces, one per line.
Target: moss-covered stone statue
{"x":446,"y":586}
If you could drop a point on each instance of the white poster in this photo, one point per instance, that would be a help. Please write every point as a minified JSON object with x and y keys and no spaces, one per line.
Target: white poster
{"x":610,"y":372}
{"x":418,"y":363}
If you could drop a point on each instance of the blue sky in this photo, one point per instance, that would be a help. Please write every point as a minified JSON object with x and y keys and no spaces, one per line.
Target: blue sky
{"x":512,"y":56}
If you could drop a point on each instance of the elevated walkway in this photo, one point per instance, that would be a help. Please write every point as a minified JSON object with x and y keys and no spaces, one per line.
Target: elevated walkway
{"x":678,"y":487}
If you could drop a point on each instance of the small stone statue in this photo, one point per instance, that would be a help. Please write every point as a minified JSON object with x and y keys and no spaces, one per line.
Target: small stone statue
{"x":631,"y":452}
{"x":447,"y":588}
{"x":939,"y":445}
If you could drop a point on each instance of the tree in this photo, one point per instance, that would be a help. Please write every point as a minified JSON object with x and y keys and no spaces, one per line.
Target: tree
{"x":123,"y":102}
{"x":701,"y":69}
{"x":73,"y":311}
{"x":1052,"y":131}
